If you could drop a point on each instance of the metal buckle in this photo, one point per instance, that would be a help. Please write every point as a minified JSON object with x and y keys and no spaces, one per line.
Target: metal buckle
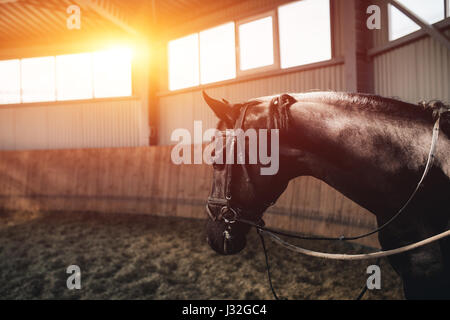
{"x":225,"y":214}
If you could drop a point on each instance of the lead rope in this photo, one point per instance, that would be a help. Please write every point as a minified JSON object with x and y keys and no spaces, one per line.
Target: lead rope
{"x":267,"y":264}
{"x":269,"y":277}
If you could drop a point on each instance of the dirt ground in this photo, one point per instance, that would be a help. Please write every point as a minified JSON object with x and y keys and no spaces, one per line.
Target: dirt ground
{"x":147,"y":257}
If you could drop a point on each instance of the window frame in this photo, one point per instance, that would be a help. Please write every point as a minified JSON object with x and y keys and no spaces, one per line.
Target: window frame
{"x":19,"y":83}
{"x":389,"y":20}
{"x":275,"y":39}
{"x":331,"y":32}
{"x":265,"y":71}
{"x":233,"y":22}
{"x":33,"y":99}
{"x":198,"y":83}
{"x":133,"y":95}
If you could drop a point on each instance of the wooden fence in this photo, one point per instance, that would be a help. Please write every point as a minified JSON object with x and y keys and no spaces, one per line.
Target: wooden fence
{"x":144,"y":180}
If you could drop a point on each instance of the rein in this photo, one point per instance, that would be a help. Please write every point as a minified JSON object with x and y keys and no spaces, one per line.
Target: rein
{"x":230,"y":214}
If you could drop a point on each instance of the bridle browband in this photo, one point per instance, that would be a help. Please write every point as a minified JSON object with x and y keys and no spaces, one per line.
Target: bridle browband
{"x":279,"y":119}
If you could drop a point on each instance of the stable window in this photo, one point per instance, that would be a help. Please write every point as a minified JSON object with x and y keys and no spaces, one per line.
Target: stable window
{"x":431,"y":11}
{"x":112,"y":73}
{"x":10,"y":81}
{"x":74,"y":76}
{"x":38,"y":79}
{"x":305,"y":33}
{"x":183,"y":58}
{"x":256,"y":44}
{"x":217,"y":54}
{"x":67,"y":77}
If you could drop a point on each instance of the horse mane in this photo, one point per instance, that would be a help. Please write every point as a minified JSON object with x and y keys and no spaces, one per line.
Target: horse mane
{"x":426,"y":111}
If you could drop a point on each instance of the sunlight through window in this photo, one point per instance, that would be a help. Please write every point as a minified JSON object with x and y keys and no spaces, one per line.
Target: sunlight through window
{"x":183,"y":62}
{"x":256,"y":44}
{"x":38,"y":79}
{"x":400,"y":25}
{"x":10,"y":81}
{"x":305,"y":35}
{"x":74,"y":76}
{"x":112,"y":73}
{"x":217,"y":54}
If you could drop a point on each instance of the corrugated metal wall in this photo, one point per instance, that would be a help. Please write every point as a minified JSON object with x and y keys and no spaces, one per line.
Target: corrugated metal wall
{"x":96,"y":124}
{"x":180,"y":110}
{"x":414,"y":72}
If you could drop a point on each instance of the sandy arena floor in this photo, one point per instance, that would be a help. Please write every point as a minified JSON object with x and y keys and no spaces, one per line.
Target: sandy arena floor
{"x":146,"y":257}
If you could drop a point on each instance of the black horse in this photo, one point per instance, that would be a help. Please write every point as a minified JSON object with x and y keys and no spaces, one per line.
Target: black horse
{"x":370,"y":148}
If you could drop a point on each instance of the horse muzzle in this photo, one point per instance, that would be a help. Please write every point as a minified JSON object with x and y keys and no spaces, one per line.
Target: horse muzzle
{"x":225,"y":240}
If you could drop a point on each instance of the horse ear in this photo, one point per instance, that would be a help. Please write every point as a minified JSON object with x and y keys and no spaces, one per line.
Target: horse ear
{"x":287,"y":100}
{"x":223,"y":110}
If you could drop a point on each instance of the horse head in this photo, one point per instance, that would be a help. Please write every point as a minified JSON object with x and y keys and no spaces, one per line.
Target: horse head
{"x":239,"y":191}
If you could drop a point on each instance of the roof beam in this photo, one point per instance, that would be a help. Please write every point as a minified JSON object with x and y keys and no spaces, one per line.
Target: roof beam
{"x":97,"y":7}
{"x":431,"y":30}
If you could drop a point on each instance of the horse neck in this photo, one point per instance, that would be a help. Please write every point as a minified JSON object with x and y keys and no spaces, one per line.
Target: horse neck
{"x":367,"y":156}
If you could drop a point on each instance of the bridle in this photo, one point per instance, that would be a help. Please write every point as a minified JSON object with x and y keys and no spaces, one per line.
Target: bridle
{"x":230,"y":213}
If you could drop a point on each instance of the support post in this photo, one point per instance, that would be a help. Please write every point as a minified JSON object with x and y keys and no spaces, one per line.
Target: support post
{"x":357,"y":38}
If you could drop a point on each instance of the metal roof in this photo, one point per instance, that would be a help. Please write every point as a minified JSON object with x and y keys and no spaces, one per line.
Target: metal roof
{"x":28,"y":22}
